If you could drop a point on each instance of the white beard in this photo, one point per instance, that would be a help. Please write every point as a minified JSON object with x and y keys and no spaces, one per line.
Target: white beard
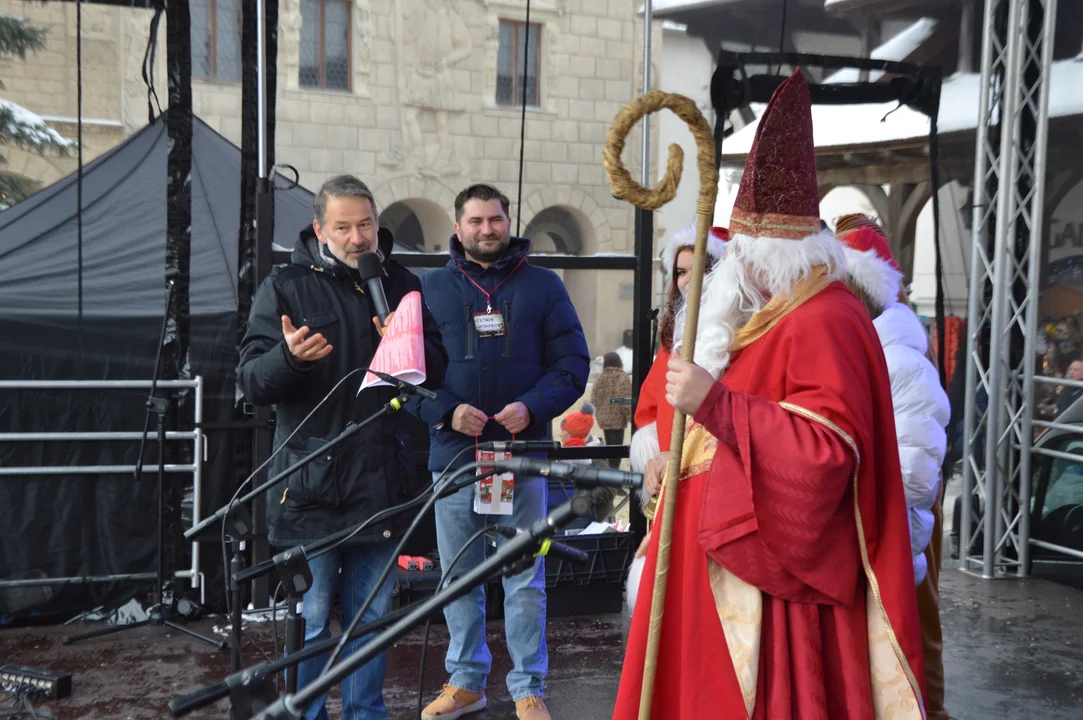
{"x":731,"y":295}
{"x":729,"y":299}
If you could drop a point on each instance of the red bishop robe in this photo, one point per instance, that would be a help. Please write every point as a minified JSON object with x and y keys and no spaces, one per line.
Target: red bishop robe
{"x":791,"y":587}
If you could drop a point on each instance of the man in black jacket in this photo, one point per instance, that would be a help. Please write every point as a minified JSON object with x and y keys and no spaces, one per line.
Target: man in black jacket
{"x":312,"y":324}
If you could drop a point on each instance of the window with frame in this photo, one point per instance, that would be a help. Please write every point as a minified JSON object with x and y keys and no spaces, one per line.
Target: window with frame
{"x":216,"y":40}
{"x":518,"y":50}
{"x":325,"y":44}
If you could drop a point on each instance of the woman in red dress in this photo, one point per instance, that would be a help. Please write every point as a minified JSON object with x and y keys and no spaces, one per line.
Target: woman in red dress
{"x":649,"y":451}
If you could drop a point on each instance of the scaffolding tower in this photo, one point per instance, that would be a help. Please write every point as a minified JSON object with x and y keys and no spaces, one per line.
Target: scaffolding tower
{"x":1002,"y":316}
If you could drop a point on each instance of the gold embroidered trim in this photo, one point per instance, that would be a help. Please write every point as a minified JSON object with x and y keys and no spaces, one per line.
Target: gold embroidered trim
{"x":787,"y":227}
{"x":874,"y":584}
{"x":779,"y":307}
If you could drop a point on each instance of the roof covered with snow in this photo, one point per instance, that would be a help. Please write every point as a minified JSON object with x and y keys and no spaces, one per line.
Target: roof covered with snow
{"x":855,"y":125}
{"x":897,"y":48}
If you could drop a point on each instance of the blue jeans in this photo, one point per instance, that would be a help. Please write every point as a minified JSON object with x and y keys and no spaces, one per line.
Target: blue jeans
{"x":361,"y":565}
{"x":468,"y":658}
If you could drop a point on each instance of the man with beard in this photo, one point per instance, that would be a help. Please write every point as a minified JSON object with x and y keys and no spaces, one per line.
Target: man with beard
{"x":518,"y":359}
{"x":313,"y":324}
{"x":790,"y":588}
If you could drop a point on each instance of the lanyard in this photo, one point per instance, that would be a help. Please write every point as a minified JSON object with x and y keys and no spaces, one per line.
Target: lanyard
{"x":489,"y":293}
{"x":477,"y":442}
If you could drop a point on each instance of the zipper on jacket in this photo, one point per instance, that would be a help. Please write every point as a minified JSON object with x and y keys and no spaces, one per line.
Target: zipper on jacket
{"x":469,"y":331}
{"x":507,"y":328}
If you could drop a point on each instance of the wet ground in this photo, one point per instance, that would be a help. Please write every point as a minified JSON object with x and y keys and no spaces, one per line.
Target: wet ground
{"x":1014,"y":649}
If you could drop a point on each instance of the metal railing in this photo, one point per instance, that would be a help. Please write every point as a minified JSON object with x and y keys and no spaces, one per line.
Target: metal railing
{"x":1037,"y":449}
{"x":193,"y":573}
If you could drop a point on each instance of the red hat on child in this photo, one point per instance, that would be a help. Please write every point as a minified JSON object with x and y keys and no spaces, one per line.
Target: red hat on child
{"x":579,"y":424}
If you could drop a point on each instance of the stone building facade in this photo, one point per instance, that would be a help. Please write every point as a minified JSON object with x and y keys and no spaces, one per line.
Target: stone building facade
{"x":418,"y":97}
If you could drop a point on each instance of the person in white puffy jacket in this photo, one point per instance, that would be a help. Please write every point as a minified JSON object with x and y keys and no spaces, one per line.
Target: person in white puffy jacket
{"x":922,"y":412}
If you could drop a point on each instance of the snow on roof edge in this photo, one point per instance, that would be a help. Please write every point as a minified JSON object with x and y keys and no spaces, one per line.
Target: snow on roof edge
{"x":839,"y":125}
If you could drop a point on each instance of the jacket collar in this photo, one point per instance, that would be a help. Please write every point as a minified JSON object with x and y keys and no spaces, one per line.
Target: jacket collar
{"x":517,"y":249}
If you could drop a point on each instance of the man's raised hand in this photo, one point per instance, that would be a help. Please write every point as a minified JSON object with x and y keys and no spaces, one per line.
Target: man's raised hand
{"x":303,"y":349}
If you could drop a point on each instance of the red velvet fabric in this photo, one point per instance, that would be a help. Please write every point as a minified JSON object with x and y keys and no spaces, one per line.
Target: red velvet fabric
{"x":777,"y":511}
{"x":652,"y":405}
{"x":780,"y":172}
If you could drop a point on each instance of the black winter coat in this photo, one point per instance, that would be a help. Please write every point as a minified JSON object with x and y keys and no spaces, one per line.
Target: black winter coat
{"x":374,"y":468}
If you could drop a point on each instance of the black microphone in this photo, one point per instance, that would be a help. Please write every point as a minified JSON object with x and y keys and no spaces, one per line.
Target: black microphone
{"x":519,"y":446}
{"x":371,"y":270}
{"x":408,"y":388}
{"x":554,"y":548}
{"x":588,"y":476}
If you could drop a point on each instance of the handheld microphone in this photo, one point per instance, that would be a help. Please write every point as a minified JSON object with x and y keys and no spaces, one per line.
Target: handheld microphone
{"x":519,"y":446}
{"x":587,"y":476}
{"x":406,"y":387}
{"x":371,"y":269}
{"x":553,"y":548}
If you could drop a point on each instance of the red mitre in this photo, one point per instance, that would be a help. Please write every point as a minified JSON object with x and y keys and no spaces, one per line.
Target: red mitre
{"x":779,"y":196}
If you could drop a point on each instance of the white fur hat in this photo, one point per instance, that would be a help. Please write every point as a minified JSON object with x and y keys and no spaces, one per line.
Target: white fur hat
{"x":686,"y":238}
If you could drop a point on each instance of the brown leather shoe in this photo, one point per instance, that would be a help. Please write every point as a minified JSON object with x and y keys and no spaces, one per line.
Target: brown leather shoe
{"x":532,"y":708}
{"x":454,"y":703}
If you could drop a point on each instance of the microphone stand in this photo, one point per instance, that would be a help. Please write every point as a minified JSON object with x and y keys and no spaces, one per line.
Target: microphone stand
{"x":264,"y":672}
{"x":160,"y":613}
{"x":395,"y":405}
{"x":509,"y":559}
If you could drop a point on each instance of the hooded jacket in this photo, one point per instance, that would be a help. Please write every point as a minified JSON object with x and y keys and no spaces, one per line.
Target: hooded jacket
{"x":541,"y":360}
{"x":374,"y":468}
{"x":922,"y":412}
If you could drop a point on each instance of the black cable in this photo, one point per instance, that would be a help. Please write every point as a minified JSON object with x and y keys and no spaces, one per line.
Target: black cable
{"x":265,"y":463}
{"x":522,"y":125}
{"x":445,"y":573}
{"x":391,"y":510}
{"x":378,"y":585}
{"x":148,"y":62}
{"x":79,"y":181}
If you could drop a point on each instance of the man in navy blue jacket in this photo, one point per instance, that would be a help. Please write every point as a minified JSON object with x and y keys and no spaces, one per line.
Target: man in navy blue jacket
{"x":517,"y":359}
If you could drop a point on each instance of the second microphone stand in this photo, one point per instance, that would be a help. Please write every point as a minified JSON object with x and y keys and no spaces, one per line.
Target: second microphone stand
{"x":510,"y":558}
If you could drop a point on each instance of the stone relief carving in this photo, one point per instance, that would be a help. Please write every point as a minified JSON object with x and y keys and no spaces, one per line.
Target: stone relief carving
{"x":363,"y":33}
{"x":289,"y":38}
{"x":427,"y":84}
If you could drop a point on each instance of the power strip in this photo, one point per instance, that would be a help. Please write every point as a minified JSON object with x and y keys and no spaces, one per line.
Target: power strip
{"x":54,"y":686}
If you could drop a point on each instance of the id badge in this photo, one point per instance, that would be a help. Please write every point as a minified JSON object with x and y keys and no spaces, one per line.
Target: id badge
{"x":495,"y":494}
{"x":489,"y":324}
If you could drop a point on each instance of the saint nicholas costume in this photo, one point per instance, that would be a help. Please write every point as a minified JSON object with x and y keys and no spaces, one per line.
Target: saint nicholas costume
{"x":791,"y":589}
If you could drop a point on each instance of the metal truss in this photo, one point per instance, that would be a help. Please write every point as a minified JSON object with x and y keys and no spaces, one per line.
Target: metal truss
{"x":1002,"y":316}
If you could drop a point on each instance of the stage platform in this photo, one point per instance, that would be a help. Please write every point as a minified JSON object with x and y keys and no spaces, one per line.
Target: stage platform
{"x":1013,"y":650}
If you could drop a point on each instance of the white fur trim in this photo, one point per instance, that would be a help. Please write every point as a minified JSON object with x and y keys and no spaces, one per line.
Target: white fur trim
{"x":631,"y":587}
{"x":874,"y":276}
{"x":686,"y":238}
{"x":643,"y":448}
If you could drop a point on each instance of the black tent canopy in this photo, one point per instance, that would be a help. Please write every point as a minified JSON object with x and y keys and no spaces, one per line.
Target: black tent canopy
{"x":124,"y":228}
{"x":66,"y":525}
